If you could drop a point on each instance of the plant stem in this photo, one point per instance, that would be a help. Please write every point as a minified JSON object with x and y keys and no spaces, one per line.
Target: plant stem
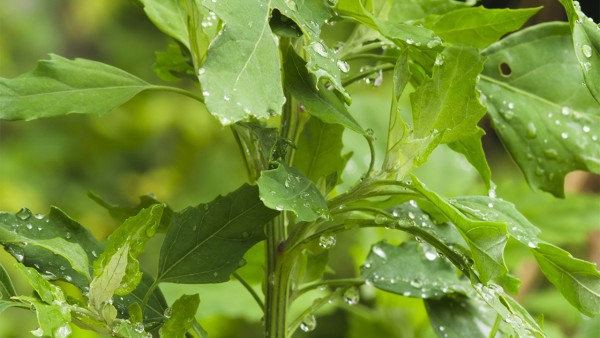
{"x":250,"y":290}
{"x":357,"y":77}
{"x":277,"y":278}
{"x":329,"y":283}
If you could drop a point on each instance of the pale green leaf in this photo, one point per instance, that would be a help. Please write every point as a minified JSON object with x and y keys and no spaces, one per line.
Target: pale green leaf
{"x":284,"y":188}
{"x":413,"y":270}
{"x":182,"y":317}
{"x":548,"y":129}
{"x":117,"y":270}
{"x":315,"y":99}
{"x":61,"y":86}
{"x":478,"y":26}
{"x":406,"y":10}
{"x":170,"y":17}
{"x":206,"y":243}
{"x":7,"y":289}
{"x":241,"y":75}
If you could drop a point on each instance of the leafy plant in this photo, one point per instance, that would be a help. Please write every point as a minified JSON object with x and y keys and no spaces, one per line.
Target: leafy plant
{"x":265,"y":72}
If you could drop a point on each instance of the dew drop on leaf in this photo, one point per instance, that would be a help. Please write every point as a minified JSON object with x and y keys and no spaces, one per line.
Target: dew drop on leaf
{"x":23,"y":214}
{"x":380,"y":219}
{"x":564,"y":135}
{"x":439,"y":60}
{"x":531,"y":130}
{"x":586,"y":129}
{"x":327,"y":241}
{"x":168,"y":312}
{"x":379,"y":251}
{"x":587,"y":51}
{"x":309,"y":323}
{"x":352,"y":296}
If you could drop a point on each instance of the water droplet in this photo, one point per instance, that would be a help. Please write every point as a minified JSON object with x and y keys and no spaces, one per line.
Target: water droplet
{"x":62,"y":331}
{"x":215,"y":274}
{"x":68,"y":278}
{"x":564,"y":135}
{"x":586,"y":129}
{"x":62,"y":268}
{"x":551,"y":153}
{"x":318,"y":47}
{"x":410,"y":41}
{"x":379,"y":251}
{"x":168,"y":312}
{"x":431,"y":256}
{"x":327,"y":241}
{"x":531,"y":130}
{"x":352,"y":296}
{"x":29,"y":226}
{"x":138,"y":327}
{"x":490,"y":205}
{"x":343,"y":66}
{"x":532,"y":245}
{"x":68,"y":235}
{"x":586,"y":50}
{"x":23,"y":214}
{"x":511,"y":105}
{"x":587,"y":66}
{"x":434,"y":43}
{"x":291,"y":4}
{"x":565,"y":111}
{"x":411,"y":215}
{"x":419,"y":239}
{"x":417,"y":283}
{"x":309,"y":323}
{"x":205,"y":93}
{"x":226,"y":98}
{"x":94,"y":253}
{"x":201,"y":71}
{"x":539,"y":171}
{"x":380,"y":219}
{"x":439,"y":60}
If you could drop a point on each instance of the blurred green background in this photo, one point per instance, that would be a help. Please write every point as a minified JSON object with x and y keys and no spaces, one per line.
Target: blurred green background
{"x":170,"y":146}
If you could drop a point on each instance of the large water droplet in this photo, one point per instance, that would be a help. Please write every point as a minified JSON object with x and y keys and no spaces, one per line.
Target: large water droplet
{"x":318,"y":47}
{"x":380,"y":219}
{"x":379,"y":251}
{"x":327,"y":241}
{"x":531,"y":130}
{"x":168,"y":312}
{"x":551,"y":153}
{"x":586,"y":50}
{"x":309,"y":323}
{"x":586,"y":129}
{"x":352,"y":296}
{"x":439,"y":60}
{"x":23,"y":214}
{"x":343,"y":66}
{"x":62,"y":331}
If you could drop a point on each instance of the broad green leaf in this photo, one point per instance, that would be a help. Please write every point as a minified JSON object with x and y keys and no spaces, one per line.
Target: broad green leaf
{"x":400,"y":33}
{"x":449,"y":101}
{"x":576,"y":279}
{"x":117,"y":271}
{"x":47,"y":292}
{"x":413,"y":270}
{"x":406,"y":10}
{"x":478,"y":26}
{"x":586,"y":42}
{"x":172,"y":65}
{"x":315,"y":99}
{"x":182,"y":317}
{"x":61,"y":86}
{"x":7,"y":289}
{"x":206,"y":243}
{"x":472,"y":149}
{"x":241,"y":75}
{"x":319,"y":151}
{"x":486,"y":239}
{"x":285,"y":188}
{"x":549,"y":130}
{"x":170,"y":17}
{"x":458,"y":316}
{"x":30,"y":240}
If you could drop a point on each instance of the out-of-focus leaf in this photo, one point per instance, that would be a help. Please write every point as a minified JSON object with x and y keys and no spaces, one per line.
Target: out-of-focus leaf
{"x":418,"y":9}
{"x":486,"y":239}
{"x":117,"y":270}
{"x":171,"y":65}
{"x":586,"y":41}
{"x":61,"y":86}
{"x":7,"y":289}
{"x":315,"y":99}
{"x":478,"y":26}
{"x":412,"y":270}
{"x":458,"y":316}
{"x":241,"y":75}
{"x":182,"y":317}
{"x":284,"y":188}
{"x":206,"y":243}
{"x":549,"y":130}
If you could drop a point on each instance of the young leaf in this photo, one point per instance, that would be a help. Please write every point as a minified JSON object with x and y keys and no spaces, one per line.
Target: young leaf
{"x":459,"y":316}
{"x":240,"y":76}
{"x":206,"y":243}
{"x":171,"y":65}
{"x":586,"y":43}
{"x":7,"y":289}
{"x":284,"y":188}
{"x":61,"y":86}
{"x":183,"y":316}
{"x":117,"y":270}
{"x":486,"y":239}
{"x":412,"y":270}
{"x":478,"y":26}
{"x":316,"y":100}
{"x":549,"y":130}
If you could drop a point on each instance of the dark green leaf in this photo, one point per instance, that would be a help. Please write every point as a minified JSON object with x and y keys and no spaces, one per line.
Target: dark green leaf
{"x":412,"y":270}
{"x":486,"y":239}
{"x":61,"y":86}
{"x":472,"y":149}
{"x":285,"y":188}
{"x":549,"y":130}
{"x":7,"y":289}
{"x":172,"y":65}
{"x":206,"y":243}
{"x":183,"y":316}
{"x":315,"y":99}
{"x":459,"y":317}
{"x":241,"y":76}
{"x":478,"y":26}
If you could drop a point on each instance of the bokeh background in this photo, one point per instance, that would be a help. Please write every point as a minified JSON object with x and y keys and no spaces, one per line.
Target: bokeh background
{"x":169,"y":145}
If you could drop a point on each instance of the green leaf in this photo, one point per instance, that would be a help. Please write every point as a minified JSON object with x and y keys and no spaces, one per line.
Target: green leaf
{"x":117,"y":271}
{"x":61,"y":86}
{"x":170,"y":16}
{"x":406,"y":10}
{"x":183,"y":316}
{"x":285,"y":188}
{"x":316,"y":99}
{"x":413,"y":270}
{"x":7,"y":289}
{"x":206,"y":243}
{"x":478,"y":26}
{"x":472,"y":149}
{"x":449,"y":102}
{"x":319,"y":151}
{"x":172,"y":65}
{"x":458,"y":316}
{"x":586,"y":42}
{"x":241,"y":76}
{"x":486,"y":239}
{"x":549,"y":130}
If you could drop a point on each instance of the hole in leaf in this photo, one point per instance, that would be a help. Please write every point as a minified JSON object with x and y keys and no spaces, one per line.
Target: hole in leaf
{"x":505,"y":69}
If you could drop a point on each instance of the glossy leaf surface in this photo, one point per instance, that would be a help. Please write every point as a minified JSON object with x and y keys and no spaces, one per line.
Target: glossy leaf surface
{"x":182,"y":316}
{"x":459,"y":317}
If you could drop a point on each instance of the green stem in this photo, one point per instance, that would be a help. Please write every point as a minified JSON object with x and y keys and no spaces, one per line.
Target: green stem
{"x":329,"y":283}
{"x":277,"y":280}
{"x":250,"y":290}
{"x":357,"y":77}
{"x":314,"y":307}
{"x":178,"y":91}
{"x":371,"y":57}
{"x":495,"y":327}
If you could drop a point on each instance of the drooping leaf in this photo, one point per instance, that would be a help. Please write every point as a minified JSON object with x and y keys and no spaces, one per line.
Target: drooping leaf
{"x":183,"y":316}
{"x":315,"y":99}
{"x":117,"y":271}
{"x":284,"y":188}
{"x":549,"y":130}
{"x":459,"y":316}
{"x":486,"y":239}
{"x":478,"y":26}
{"x":413,"y":270}
{"x":172,"y":65}
{"x":449,"y":101}
{"x":586,"y":43}
{"x":241,"y":75}
{"x":7,"y":289}
{"x":472,"y":149}
{"x":406,"y":10}
{"x":61,"y":86}
{"x":206,"y":243}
